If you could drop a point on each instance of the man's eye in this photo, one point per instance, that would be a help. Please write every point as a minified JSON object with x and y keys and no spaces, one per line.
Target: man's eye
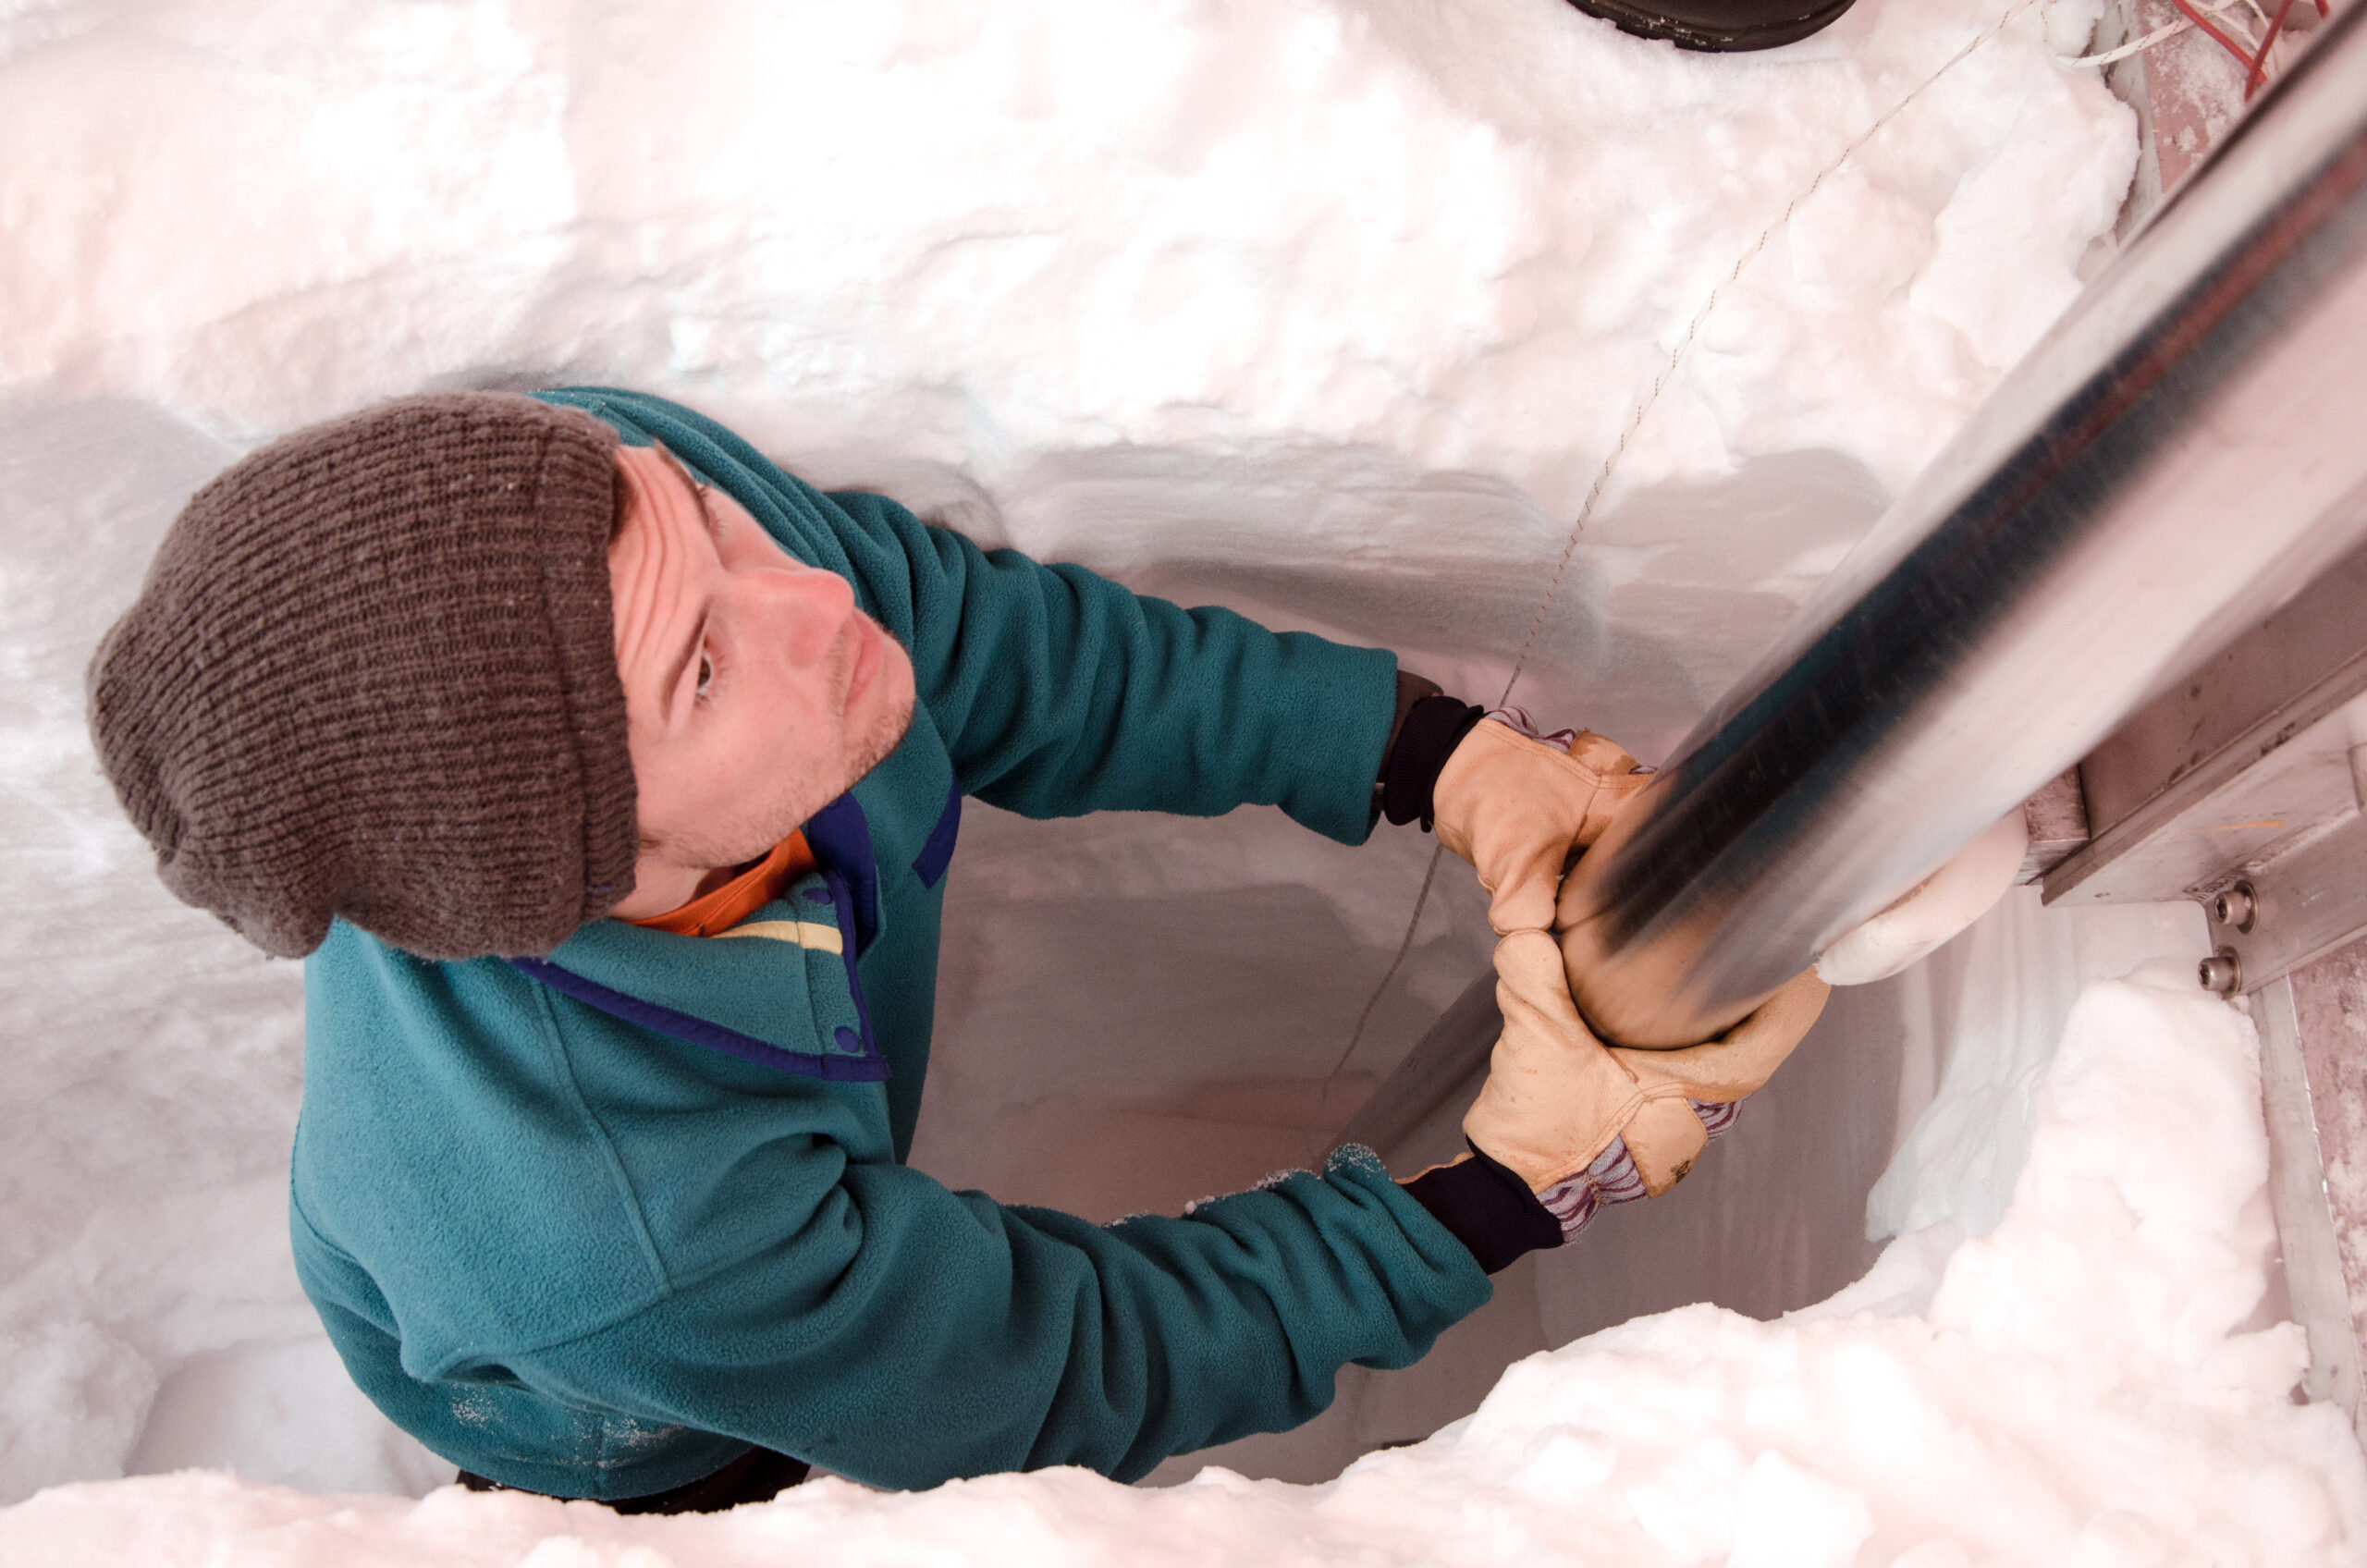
{"x":706,"y":673}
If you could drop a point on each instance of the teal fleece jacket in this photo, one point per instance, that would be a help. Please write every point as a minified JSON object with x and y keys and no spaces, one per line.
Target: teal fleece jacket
{"x":596,"y":1224}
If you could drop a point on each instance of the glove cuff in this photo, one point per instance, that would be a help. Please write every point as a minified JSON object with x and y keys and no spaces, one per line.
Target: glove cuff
{"x":1615,"y":1176}
{"x":1486,"y":1208}
{"x":1425,"y":738}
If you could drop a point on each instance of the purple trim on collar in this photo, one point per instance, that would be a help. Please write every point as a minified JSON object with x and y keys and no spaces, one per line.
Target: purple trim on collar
{"x":840,"y":837}
{"x":870,"y":1068}
{"x":842,"y":903}
{"x":936,"y":854}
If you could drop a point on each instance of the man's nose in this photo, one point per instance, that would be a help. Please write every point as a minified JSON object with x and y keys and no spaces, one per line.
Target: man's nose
{"x":808,"y":608}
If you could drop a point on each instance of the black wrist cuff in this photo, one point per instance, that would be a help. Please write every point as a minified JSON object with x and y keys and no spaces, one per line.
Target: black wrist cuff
{"x":1411,"y":689}
{"x":1487,"y":1209}
{"x":1431,"y":730}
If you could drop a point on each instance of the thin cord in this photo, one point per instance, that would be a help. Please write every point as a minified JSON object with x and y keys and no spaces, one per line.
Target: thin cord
{"x":1619,"y":449}
{"x":2257,"y":77}
{"x":1405,"y":946}
{"x":2217,"y":33}
{"x":2159,"y":35}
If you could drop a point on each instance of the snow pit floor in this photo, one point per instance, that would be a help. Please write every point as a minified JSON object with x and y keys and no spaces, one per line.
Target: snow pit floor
{"x":2074,"y":1386}
{"x":1324,"y":309}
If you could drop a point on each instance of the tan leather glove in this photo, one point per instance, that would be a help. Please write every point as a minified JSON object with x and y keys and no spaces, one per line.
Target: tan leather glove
{"x":1584,"y":1123}
{"x":1519,"y":808}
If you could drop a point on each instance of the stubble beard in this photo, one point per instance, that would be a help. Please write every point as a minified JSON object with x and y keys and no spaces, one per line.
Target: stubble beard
{"x":752,"y":836}
{"x":867,"y":748}
{"x":885,"y":733}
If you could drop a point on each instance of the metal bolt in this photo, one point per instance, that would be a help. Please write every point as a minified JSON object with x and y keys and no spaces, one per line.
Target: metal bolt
{"x":2235,"y":907}
{"x":2221,"y":972}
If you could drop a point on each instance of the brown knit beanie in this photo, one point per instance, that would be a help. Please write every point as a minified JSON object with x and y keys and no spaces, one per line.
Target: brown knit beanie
{"x":372,"y":674}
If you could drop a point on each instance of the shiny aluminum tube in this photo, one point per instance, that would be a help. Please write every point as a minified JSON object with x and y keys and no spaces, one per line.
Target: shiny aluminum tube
{"x":2177,"y":456}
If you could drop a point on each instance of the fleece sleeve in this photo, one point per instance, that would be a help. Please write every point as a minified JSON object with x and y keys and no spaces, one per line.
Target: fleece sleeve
{"x":1059,"y":692}
{"x":903,"y":1334}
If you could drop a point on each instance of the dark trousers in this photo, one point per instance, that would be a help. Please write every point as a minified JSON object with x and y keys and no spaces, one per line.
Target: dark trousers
{"x":755,"y":1476}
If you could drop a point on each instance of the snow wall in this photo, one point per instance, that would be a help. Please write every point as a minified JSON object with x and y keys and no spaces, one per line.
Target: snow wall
{"x":1328,"y":309}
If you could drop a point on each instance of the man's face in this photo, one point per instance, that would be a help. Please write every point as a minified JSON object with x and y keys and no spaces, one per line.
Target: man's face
{"x":755,"y":692}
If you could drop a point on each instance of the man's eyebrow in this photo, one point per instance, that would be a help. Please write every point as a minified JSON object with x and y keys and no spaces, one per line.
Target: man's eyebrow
{"x":689,"y":650}
{"x":698,"y":490}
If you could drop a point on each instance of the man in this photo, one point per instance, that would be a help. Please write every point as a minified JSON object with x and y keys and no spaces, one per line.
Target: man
{"x":606,"y":777}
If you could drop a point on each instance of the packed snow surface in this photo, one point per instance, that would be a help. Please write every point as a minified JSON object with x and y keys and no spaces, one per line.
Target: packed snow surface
{"x":2075,"y":1387}
{"x":1327,"y":309}
{"x":1462,"y":235}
